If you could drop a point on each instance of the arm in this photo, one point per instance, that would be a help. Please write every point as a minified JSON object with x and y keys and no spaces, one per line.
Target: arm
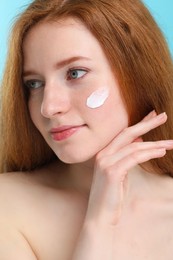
{"x":109,"y":187}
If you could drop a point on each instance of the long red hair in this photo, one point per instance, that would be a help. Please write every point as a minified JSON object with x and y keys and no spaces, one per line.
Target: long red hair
{"x":138,"y":55}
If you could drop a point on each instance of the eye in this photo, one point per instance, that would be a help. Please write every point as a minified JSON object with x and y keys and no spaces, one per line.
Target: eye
{"x":34,"y":84}
{"x":75,"y":74}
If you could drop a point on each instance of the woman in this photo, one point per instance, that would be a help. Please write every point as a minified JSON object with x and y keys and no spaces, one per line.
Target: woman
{"x":86,"y":134}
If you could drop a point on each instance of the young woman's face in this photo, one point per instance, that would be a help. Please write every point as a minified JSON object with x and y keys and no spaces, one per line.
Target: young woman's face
{"x":74,"y":101}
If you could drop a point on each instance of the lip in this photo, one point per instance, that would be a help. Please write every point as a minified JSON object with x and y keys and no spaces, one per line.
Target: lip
{"x":64,"y":132}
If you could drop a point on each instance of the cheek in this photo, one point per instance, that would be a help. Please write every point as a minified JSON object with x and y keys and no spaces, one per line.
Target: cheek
{"x":34,"y":110}
{"x":110,"y":113}
{"x":92,"y":105}
{"x":97,"y":98}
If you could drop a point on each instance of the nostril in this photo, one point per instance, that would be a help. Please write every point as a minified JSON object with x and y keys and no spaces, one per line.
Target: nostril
{"x":55,"y":100}
{"x":48,"y":110}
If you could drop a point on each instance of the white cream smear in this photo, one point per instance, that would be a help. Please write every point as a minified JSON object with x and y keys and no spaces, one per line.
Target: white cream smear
{"x":97,"y":98}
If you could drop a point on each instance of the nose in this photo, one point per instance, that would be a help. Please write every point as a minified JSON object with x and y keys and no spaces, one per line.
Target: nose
{"x":56,"y":100}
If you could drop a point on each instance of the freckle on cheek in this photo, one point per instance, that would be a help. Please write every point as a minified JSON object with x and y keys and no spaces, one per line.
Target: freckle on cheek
{"x":97,"y":98}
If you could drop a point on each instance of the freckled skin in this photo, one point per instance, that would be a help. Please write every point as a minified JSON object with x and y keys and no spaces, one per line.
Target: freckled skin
{"x":43,"y":211}
{"x":62,"y":101}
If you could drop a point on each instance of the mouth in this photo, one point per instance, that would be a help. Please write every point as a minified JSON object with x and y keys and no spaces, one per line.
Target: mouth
{"x":63,"y":132}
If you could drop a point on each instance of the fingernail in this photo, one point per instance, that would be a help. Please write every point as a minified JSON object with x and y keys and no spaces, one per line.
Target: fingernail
{"x":169,"y":142}
{"x":153,"y":113}
{"x":162,"y":115}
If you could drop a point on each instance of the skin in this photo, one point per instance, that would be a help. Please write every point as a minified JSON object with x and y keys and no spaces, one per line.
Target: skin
{"x":62,"y":101}
{"x":101,"y":199}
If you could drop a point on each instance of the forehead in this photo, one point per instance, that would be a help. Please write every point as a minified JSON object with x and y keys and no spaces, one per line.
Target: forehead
{"x":59,"y":40}
{"x":60,"y":24}
{"x":67,"y":31}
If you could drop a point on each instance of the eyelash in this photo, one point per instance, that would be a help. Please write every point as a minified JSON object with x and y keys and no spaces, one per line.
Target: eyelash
{"x":29,"y":83}
{"x":71,"y":71}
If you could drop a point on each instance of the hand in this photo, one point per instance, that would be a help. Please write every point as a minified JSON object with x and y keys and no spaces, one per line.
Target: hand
{"x":106,"y":199}
{"x":113,"y":163}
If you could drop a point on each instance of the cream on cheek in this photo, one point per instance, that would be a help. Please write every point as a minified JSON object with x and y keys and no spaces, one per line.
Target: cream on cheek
{"x":97,"y":98}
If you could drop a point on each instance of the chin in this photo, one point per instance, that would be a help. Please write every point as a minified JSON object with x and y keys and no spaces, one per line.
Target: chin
{"x":75,"y":158}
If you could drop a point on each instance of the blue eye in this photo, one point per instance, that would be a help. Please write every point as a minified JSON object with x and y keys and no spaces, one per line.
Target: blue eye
{"x":34,"y":84}
{"x":76,"y":74}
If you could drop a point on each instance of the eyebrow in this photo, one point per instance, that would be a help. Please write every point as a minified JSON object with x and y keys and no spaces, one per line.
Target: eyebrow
{"x":59,"y":65}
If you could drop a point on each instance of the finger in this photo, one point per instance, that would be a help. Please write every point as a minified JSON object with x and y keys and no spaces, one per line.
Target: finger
{"x":145,"y":126}
{"x":132,"y":133}
{"x":137,"y":147}
{"x":149,"y":116}
{"x":124,"y":165}
{"x":138,"y":139}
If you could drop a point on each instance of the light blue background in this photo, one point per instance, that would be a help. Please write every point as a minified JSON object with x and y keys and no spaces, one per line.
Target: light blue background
{"x":162,"y":10}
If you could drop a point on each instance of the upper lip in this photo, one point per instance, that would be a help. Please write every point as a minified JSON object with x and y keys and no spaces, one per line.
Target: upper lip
{"x":63,"y":128}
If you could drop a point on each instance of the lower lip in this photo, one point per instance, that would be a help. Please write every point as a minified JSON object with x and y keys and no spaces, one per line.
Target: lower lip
{"x":59,"y":136}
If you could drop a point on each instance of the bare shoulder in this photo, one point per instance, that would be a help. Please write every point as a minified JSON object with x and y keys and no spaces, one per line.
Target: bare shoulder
{"x":24,"y":193}
{"x":12,"y":186}
{"x":30,"y":207}
{"x":16,"y":188}
{"x":12,"y":240}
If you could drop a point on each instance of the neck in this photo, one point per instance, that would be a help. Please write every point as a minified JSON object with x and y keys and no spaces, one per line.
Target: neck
{"x":78,"y":177}
{"x":81,"y":175}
